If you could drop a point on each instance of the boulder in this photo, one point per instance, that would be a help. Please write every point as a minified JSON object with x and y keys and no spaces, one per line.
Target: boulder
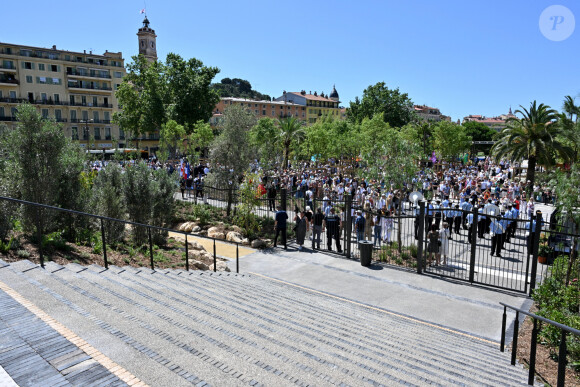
{"x":237,"y":229}
{"x":201,"y":255}
{"x":188,"y":226}
{"x":214,"y":232}
{"x":199,"y":265}
{"x":258,"y":243}
{"x":234,"y":236}
{"x":221,"y":266}
{"x":196,"y":229}
{"x":246,"y":242}
{"x":195,"y":245}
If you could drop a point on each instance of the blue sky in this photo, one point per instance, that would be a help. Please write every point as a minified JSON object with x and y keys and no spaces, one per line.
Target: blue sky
{"x":464,"y":57}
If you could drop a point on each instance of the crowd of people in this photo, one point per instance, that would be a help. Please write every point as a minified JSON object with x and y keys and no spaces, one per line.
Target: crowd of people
{"x":500,"y":192}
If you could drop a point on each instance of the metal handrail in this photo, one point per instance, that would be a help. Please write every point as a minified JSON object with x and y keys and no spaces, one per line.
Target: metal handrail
{"x":562,"y":350}
{"x":148,"y":226}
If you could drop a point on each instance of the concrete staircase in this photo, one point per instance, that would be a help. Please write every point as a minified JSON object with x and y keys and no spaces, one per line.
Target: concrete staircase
{"x":173,"y":328}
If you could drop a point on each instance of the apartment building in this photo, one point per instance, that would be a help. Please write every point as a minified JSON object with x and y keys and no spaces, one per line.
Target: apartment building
{"x":317,"y":106}
{"x":427,"y":113}
{"x":76,"y":89}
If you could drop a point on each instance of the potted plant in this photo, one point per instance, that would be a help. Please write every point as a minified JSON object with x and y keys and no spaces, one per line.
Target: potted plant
{"x":544,"y":252}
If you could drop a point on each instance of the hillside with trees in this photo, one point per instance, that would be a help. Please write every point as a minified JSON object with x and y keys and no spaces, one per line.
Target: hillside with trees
{"x":238,"y":88}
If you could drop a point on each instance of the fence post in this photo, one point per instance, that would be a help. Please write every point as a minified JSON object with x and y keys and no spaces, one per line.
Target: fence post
{"x":420,"y":217}
{"x":186,"y":254}
{"x":515,"y":338}
{"x":237,"y":258}
{"x":103,"y":240}
{"x":39,"y":229}
{"x":533,"y":354}
{"x":348,"y":226}
{"x":535,"y":246}
{"x":214,"y":258}
{"x":283,"y":198}
{"x":474,"y":233}
{"x":503,"y":323}
{"x":151,"y":249}
{"x":562,"y":360}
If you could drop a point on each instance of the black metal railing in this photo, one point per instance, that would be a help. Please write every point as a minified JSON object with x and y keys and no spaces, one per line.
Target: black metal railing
{"x":565,"y":330}
{"x":102,"y":219}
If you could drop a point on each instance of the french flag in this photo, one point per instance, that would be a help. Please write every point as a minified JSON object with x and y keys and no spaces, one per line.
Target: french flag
{"x":142,"y":11}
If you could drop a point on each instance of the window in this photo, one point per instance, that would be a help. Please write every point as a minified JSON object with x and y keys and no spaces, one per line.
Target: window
{"x":107,"y":117}
{"x":85,"y":133}
{"x":75,"y":133}
{"x":44,"y":113}
{"x":118,"y":74}
{"x":85,"y":115}
{"x":121,"y":134}
{"x":43,"y":97}
{"x":41,"y":80}
{"x":13,"y":111}
{"x":58,"y":115}
{"x":84,"y":100}
{"x":28,"y":65}
{"x":73,"y":115}
{"x":264,"y":112}
{"x":1,"y":111}
{"x":57,"y":98}
{"x":95,"y":101}
{"x":41,"y":66}
{"x":273,"y":112}
{"x":29,"y":79}
{"x":107,"y":133}
{"x":72,"y":100}
{"x":97,"y":133}
{"x":12,"y":94}
{"x":96,"y":116}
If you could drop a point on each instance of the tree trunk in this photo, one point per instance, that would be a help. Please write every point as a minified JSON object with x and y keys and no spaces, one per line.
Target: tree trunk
{"x":399,"y":242}
{"x":531,"y":172}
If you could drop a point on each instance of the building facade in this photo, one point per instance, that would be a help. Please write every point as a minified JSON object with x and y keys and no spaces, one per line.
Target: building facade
{"x":427,"y":113}
{"x":75,"y":89}
{"x":317,"y":106}
{"x":271,"y":109}
{"x":497,"y":123}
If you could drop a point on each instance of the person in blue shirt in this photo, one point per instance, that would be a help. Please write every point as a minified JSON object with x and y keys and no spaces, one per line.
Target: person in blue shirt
{"x":481,"y":223}
{"x":359,"y":225}
{"x":496,"y":230}
{"x":530,"y":234}
{"x":280,"y":226}
{"x":457,"y":215}
{"x":471,"y":227}
{"x":466,"y":206}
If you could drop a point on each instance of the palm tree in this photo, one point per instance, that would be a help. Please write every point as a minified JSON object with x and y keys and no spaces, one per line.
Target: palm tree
{"x":535,"y":136}
{"x":570,"y":108}
{"x":290,"y":131}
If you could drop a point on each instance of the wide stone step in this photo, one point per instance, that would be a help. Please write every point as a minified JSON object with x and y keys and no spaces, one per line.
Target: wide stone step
{"x":162,"y":277}
{"x":236,"y":329}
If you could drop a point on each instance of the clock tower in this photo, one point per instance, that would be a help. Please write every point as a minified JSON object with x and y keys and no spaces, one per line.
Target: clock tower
{"x":147,"y":42}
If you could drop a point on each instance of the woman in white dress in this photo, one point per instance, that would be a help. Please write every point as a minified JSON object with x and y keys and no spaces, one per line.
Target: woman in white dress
{"x":444,"y":238}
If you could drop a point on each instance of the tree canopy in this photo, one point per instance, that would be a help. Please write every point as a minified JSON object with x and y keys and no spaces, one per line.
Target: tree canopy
{"x":152,"y":93}
{"x":450,"y":140}
{"x":535,"y":137}
{"x":395,"y":107}
{"x":238,"y":88}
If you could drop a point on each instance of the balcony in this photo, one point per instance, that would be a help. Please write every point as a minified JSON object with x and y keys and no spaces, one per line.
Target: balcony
{"x":9,"y":80}
{"x":86,"y":74}
{"x":13,"y":100}
{"x":4,"y":118}
{"x":7,"y":68}
{"x":89,"y":87}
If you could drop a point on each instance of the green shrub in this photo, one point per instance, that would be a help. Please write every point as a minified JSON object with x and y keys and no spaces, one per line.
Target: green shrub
{"x":559,"y":301}
{"x":24,"y":254}
{"x":405,"y":256}
{"x":413,"y":251}
{"x":55,"y":240}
